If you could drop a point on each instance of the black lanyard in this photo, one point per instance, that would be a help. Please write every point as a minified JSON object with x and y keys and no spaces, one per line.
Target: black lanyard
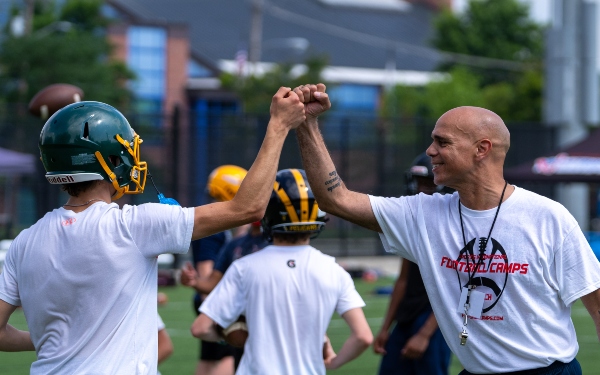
{"x":484,"y":245}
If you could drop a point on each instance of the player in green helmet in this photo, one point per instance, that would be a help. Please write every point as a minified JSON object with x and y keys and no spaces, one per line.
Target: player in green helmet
{"x":86,"y":273}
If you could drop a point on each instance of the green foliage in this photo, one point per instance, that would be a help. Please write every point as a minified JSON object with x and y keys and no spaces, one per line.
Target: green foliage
{"x":85,"y":14}
{"x":499,"y":29}
{"x":256,"y":91}
{"x":78,"y":56}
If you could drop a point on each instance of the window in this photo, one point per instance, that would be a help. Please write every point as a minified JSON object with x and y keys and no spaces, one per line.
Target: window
{"x":147,"y":58}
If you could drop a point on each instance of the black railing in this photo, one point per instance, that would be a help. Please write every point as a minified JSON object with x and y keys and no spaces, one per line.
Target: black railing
{"x":371,"y":155}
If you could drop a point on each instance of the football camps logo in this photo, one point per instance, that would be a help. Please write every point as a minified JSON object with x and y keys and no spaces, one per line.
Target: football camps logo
{"x":291,"y":263}
{"x":474,"y":265}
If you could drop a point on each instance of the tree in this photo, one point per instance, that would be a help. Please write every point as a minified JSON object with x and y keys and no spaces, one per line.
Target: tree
{"x":497,"y":29}
{"x":77,"y":54}
{"x":256,"y":91}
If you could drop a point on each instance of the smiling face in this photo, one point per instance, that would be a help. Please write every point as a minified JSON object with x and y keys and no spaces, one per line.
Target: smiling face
{"x":464,"y":140}
{"x":451,"y":152}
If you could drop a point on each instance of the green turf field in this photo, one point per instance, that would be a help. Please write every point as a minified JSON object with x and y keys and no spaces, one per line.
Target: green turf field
{"x":178,"y":316}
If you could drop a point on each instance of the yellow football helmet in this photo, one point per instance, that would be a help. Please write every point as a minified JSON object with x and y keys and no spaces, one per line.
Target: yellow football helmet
{"x":224,"y":182}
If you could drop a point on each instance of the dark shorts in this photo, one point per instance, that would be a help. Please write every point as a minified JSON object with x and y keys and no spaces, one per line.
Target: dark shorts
{"x":556,"y":368}
{"x":435,"y":360}
{"x":214,"y":351}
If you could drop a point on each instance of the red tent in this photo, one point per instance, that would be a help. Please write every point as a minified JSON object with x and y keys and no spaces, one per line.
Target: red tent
{"x":578,"y":163}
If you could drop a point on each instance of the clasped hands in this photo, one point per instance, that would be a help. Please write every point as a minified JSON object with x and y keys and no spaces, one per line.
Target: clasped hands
{"x":315,"y":99}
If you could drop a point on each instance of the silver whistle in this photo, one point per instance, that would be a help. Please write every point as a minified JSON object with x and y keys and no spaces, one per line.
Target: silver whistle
{"x":463,"y":337}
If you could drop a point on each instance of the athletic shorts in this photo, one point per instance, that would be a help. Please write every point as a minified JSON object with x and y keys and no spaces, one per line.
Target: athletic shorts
{"x":214,"y":351}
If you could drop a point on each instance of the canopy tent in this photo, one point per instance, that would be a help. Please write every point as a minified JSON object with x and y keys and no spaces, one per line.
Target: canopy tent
{"x":16,"y":163}
{"x":578,"y":163}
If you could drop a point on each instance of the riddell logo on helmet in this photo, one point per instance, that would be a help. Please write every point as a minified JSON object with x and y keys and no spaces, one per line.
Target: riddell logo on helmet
{"x":60,"y":180}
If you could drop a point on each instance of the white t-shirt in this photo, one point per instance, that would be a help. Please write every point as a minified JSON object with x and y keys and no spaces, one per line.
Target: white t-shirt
{"x":88,"y":281}
{"x":536,"y":264}
{"x":288,"y":295}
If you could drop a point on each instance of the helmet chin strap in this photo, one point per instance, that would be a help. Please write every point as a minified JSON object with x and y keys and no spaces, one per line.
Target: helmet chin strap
{"x":119,"y":191}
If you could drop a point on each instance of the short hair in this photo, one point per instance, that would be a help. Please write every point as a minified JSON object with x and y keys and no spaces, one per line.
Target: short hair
{"x":292,"y":237}
{"x":79,"y":187}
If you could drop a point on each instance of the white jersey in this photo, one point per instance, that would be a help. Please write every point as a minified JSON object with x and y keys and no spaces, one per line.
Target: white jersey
{"x":288,"y":295}
{"x":536,"y":264}
{"x":88,"y":281}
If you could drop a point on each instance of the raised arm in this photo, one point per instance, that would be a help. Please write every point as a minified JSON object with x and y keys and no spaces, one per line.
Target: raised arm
{"x":12,"y":339}
{"x":250,"y":202}
{"x":327,"y":185}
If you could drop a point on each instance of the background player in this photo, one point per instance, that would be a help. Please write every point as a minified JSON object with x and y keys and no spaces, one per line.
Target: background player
{"x":416,"y":345}
{"x":86,"y":274}
{"x":249,"y":243}
{"x":223,"y":183}
{"x":288,"y":292}
{"x":165,"y":345}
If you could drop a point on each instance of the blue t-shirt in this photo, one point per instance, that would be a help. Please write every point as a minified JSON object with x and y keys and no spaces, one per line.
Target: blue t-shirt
{"x":207,"y":248}
{"x":238,"y":248}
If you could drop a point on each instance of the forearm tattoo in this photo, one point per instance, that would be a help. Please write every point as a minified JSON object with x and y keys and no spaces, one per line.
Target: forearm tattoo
{"x":333,"y":182}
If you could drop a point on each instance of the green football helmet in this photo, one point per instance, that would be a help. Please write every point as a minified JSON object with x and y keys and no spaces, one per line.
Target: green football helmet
{"x":88,"y":141}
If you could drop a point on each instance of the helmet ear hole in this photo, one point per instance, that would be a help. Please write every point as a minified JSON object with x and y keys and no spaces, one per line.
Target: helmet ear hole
{"x":114,"y":160}
{"x":86,"y":131}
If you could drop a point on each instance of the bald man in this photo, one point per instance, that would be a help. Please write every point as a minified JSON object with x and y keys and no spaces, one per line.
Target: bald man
{"x":502,"y":266}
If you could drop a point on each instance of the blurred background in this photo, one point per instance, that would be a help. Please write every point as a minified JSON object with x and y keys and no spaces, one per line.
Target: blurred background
{"x":195,"y":80}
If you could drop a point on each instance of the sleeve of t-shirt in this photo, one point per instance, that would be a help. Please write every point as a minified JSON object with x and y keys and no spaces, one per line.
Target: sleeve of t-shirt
{"x":226,"y":302}
{"x":9,"y":288}
{"x":207,"y":248}
{"x":577,"y":268}
{"x":349,"y":298}
{"x":159,"y":228}
{"x":396,"y":219}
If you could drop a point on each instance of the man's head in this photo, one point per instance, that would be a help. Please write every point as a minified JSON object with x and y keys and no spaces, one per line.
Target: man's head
{"x":292,"y":214}
{"x":224,"y":182}
{"x":468,"y":143}
{"x":419,"y":177}
{"x":92,"y":141}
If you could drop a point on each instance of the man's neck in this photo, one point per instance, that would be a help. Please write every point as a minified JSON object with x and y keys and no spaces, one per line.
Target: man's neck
{"x":99,"y":193}
{"x":485,"y":196}
{"x":279,"y":242}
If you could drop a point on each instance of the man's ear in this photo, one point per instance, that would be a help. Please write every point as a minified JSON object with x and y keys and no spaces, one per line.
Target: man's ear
{"x":484,"y":148}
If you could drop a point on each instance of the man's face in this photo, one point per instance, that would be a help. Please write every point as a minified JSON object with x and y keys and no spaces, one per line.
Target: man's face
{"x":451,"y":152}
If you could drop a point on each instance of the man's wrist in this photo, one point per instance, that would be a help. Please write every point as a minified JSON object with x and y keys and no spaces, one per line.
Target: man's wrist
{"x":277,"y":127}
{"x":312,"y":120}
